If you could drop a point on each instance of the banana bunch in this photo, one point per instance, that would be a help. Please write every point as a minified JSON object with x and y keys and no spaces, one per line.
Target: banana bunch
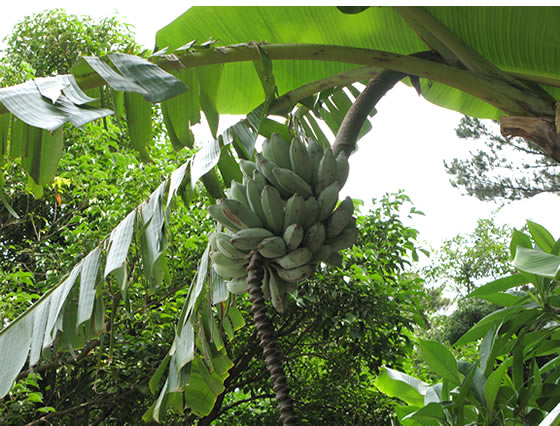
{"x":284,"y":209}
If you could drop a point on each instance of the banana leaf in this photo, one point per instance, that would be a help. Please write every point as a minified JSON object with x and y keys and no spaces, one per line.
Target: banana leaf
{"x":519,"y":40}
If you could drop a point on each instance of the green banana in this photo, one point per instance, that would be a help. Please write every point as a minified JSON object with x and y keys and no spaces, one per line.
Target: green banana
{"x":311,"y":212}
{"x":247,"y":167}
{"x":259,"y":179}
{"x":295,"y":274}
{"x":237,"y":192}
{"x":293,"y":236}
{"x":314,"y":237}
{"x":315,"y":151}
{"x":323,"y":253}
{"x":295,"y":210}
{"x":280,"y":148}
{"x":229,"y":272}
{"x":338,"y":219}
{"x":278,"y":293}
{"x":342,"y":168}
{"x":213,"y":238}
{"x":291,"y":182}
{"x":253,"y":193}
{"x":227,"y":249}
{"x":273,"y":208}
{"x":265,"y":166}
{"x":327,"y":170}
{"x":249,"y":239}
{"x":238,"y":285}
{"x":223,"y":260}
{"x":327,"y":200}
{"x":347,"y":238}
{"x":217,"y":213}
{"x":300,"y":161}
{"x":265,"y":282}
{"x":240,"y":214}
{"x":334,"y":259}
{"x":272,"y":247}
{"x":295,"y":258}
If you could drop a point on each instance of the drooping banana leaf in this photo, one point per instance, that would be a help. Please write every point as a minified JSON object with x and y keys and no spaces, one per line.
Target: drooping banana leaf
{"x":41,"y":107}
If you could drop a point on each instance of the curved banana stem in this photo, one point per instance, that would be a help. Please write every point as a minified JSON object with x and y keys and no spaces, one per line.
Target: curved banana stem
{"x":267,"y":338}
{"x":347,"y":135}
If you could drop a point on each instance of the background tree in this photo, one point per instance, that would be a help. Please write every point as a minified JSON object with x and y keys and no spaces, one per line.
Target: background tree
{"x":504,"y":168}
{"x":52,"y":41}
{"x":462,"y":263}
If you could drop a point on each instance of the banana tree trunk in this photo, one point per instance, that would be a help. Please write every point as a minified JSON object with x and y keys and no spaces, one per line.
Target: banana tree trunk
{"x":267,"y":338}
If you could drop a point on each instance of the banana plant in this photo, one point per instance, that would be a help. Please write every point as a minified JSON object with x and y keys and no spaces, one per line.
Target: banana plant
{"x":459,"y":58}
{"x":516,"y":378}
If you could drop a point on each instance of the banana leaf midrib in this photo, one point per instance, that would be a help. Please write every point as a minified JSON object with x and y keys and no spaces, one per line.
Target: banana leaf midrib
{"x":483,"y":87}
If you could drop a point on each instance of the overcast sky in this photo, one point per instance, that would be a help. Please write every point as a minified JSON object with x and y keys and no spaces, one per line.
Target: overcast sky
{"x":406,"y":148}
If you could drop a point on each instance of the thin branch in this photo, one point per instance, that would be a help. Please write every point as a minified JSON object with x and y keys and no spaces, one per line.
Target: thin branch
{"x":243,"y":401}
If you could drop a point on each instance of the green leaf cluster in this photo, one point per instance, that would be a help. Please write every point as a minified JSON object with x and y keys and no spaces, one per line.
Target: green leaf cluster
{"x":516,"y":374}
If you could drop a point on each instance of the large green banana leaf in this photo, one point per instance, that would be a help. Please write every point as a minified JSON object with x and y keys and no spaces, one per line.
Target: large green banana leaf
{"x":520,"y":40}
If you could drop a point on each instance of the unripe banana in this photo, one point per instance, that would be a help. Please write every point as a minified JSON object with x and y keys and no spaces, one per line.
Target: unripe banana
{"x":341,"y":217}
{"x":217,"y":213}
{"x":249,"y":239}
{"x":347,"y":238}
{"x":273,"y":208}
{"x":265,"y":286}
{"x":327,"y":170}
{"x":221,"y":259}
{"x":311,"y":212}
{"x":267,"y":151}
{"x":227,"y":249}
{"x":254,"y":198}
{"x":265,"y":166}
{"x":295,"y":258}
{"x":342,"y":168}
{"x":240,"y":214}
{"x":280,"y":148}
{"x":314,"y":237}
{"x":295,"y":274}
{"x":293,"y":236}
{"x":238,"y":285}
{"x":272,"y":247}
{"x":290,"y":286}
{"x":213,"y":238}
{"x":259,"y":179}
{"x":229,"y":272}
{"x":237,"y":192}
{"x":327,"y":200}
{"x":295,"y":210}
{"x":247,"y":167}
{"x":278,"y":294}
{"x":323,"y":253}
{"x":291,"y":182}
{"x":334,"y":259}
{"x":315,"y":151}
{"x":300,"y":161}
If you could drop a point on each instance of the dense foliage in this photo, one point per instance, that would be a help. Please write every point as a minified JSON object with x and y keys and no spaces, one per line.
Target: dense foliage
{"x":515,"y":375}
{"x":52,"y":41}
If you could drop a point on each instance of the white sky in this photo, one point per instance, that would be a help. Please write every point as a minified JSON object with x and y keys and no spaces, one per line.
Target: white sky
{"x":405,"y":149}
